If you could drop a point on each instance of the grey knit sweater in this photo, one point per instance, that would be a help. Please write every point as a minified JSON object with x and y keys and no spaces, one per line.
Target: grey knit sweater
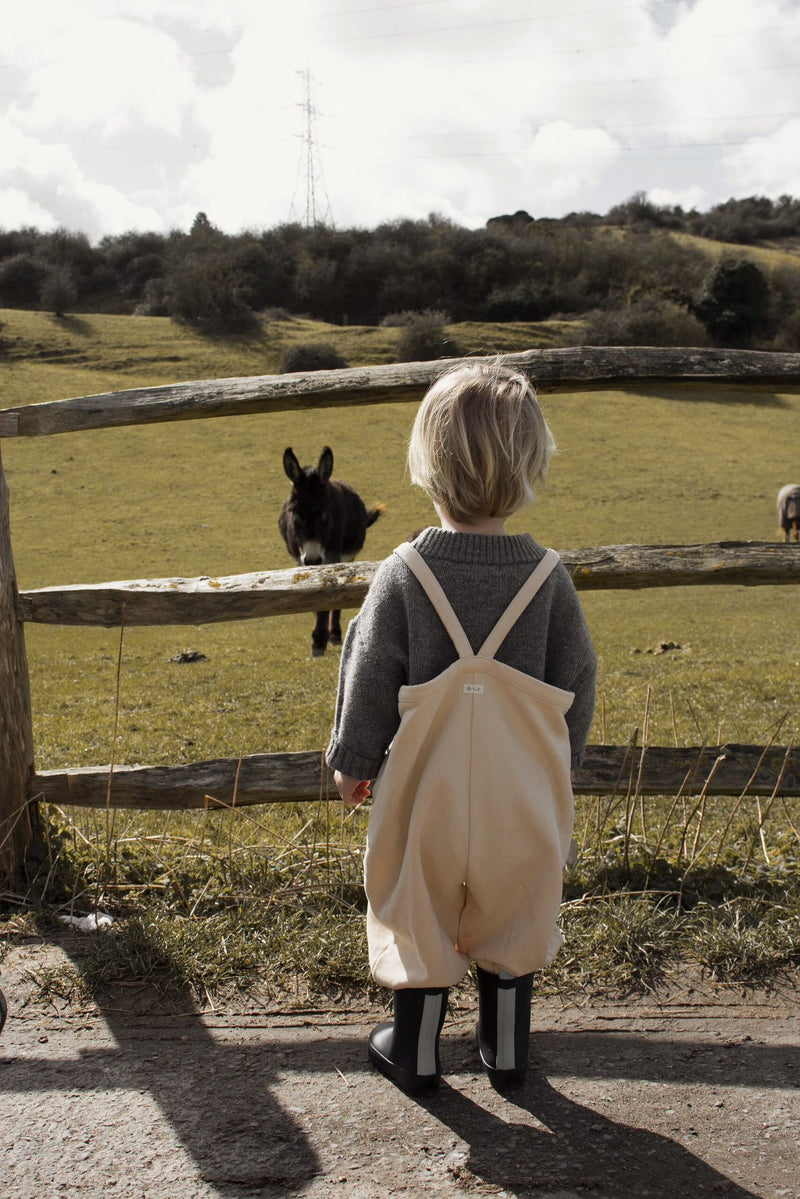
{"x":397,"y":638}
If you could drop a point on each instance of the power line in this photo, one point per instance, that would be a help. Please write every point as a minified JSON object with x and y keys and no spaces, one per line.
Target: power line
{"x":663,"y":126}
{"x":631,"y":151}
{"x":382,"y":8}
{"x":421,"y":32}
{"x":538,"y":18}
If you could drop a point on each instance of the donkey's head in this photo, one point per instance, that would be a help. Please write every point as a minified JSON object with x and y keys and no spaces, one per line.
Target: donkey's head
{"x":307,"y":512}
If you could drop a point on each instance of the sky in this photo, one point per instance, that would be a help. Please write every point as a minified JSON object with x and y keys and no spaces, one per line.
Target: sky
{"x":137,"y":114}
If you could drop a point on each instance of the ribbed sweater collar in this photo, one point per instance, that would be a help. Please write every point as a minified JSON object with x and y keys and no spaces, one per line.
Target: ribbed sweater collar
{"x":484,"y":548}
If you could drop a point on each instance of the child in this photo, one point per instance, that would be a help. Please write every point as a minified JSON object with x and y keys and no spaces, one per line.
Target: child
{"x":470,"y":725}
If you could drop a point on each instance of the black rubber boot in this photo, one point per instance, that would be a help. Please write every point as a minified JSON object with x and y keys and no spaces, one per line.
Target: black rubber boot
{"x":504,"y":1024}
{"x":406,"y":1049}
{"x":3,"y":1010}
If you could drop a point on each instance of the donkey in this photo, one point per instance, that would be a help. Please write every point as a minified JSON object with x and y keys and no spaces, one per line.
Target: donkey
{"x":323,"y":520}
{"x":789,"y":511}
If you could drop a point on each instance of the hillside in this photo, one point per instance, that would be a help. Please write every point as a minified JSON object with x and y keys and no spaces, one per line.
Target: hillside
{"x":516,"y":269}
{"x":99,"y":352}
{"x":768,"y":254}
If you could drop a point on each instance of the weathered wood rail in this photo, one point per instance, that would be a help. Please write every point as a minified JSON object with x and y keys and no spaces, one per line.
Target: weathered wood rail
{"x":578,"y":368}
{"x":315,"y":588}
{"x":280,"y":777}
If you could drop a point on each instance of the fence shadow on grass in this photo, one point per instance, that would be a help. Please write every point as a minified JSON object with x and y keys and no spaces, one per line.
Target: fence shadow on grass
{"x":719,"y":395}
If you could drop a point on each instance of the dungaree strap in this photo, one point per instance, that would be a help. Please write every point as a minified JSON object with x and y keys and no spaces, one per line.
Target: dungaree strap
{"x":433,"y":589}
{"x":518,"y":605}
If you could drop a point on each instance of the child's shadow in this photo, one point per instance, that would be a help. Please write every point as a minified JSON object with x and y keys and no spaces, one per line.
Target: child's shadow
{"x":576,"y":1150}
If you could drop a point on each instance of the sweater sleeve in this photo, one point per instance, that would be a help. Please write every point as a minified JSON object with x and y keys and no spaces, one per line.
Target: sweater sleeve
{"x":579,"y":717}
{"x":574,"y":663}
{"x":373,"y":668}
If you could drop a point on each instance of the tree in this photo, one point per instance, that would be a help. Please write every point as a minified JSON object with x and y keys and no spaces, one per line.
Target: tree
{"x":58,"y":291}
{"x":736,"y":304}
{"x":21,"y":279}
{"x":637,"y":209}
{"x":205,"y":291}
{"x":134,"y":259}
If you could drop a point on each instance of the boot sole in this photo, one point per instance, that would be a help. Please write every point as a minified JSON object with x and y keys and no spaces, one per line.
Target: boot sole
{"x":501,"y":1079}
{"x":412,"y":1084}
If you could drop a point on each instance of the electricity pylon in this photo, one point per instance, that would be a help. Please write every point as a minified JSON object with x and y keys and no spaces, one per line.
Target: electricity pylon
{"x":317,"y":205}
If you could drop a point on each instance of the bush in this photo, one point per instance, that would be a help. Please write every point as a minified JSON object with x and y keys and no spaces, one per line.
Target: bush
{"x":311,"y":356}
{"x":788,"y":337}
{"x":520,"y":302}
{"x":58,"y":291}
{"x":649,"y":321}
{"x":423,"y":338}
{"x":153,"y":301}
{"x":206,"y":292}
{"x":736,"y":304}
{"x":21,"y":279}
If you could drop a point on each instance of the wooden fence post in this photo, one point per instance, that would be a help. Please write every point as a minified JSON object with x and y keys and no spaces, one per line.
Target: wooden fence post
{"x":16,"y":726}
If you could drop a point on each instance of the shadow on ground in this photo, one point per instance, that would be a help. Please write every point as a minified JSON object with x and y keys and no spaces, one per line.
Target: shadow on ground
{"x":258,"y":1106}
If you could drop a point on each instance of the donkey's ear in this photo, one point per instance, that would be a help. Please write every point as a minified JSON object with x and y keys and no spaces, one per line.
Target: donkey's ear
{"x":325,"y":465}
{"x":290,"y":464}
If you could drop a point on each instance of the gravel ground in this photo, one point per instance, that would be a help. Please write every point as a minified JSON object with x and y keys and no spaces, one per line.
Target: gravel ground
{"x":691,"y":1092}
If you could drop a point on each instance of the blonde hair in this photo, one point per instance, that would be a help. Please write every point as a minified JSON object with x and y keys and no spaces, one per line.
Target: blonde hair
{"x":480,"y":445}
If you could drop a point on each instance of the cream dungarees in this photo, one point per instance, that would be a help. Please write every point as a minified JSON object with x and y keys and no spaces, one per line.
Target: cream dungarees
{"x":472,"y":813}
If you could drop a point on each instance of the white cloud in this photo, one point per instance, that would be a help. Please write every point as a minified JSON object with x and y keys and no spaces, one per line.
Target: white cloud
{"x":17,"y":210}
{"x":105,"y":76}
{"x":687,"y":197}
{"x":44,"y":186}
{"x":729,"y":68}
{"x":564,"y":161}
{"x":142,"y":112}
{"x":768,"y":166}
{"x":251,"y":126}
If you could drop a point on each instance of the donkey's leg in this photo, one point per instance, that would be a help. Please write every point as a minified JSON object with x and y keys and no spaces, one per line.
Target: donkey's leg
{"x":336,"y":616}
{"x":319,"y":635}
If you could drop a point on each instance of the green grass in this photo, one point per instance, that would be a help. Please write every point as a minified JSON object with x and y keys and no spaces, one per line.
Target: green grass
{"x":674,"y":464}
{"x":782,"y":253}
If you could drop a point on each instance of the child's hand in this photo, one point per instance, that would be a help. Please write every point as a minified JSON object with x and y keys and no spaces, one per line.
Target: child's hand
{"x":352,"y":791}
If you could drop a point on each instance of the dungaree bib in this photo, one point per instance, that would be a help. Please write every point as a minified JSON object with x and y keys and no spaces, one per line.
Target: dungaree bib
{"x":472,"y":813}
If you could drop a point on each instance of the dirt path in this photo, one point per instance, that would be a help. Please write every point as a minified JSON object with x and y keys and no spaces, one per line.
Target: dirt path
{"x":694,"y":1092}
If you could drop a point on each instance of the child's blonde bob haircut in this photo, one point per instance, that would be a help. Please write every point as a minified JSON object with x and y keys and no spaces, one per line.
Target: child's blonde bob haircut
{"x":480,"y":445}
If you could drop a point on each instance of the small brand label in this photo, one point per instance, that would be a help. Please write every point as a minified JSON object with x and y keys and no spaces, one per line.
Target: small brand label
{"x":473,"y":688}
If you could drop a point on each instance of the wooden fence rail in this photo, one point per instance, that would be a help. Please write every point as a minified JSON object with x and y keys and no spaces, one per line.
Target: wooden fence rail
{"x":282,"y":778}
{"x":578,"y":368}
{"x":731,"y":770}
{"x":316,"y":588}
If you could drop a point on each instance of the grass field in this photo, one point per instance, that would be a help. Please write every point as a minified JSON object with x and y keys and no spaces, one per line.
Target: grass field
{"x":664,"y":465}
{"x":782,"y":253}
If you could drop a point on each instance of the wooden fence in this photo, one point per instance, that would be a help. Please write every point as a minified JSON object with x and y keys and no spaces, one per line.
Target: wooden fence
{"x":268,"y":778}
